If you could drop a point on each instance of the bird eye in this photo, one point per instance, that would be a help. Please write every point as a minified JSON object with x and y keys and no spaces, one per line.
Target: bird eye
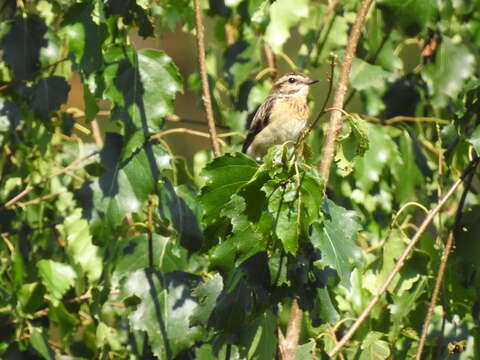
{"x":291,"y":80}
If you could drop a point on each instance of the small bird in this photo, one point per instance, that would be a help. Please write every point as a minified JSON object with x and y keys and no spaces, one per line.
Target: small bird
{"x":281,"y":117}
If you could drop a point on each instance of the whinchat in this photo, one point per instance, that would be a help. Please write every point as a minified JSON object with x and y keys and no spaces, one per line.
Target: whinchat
{"x":281,"y":117}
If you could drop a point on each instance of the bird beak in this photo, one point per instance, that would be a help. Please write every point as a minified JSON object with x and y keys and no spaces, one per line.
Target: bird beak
{"x":312,"y":81}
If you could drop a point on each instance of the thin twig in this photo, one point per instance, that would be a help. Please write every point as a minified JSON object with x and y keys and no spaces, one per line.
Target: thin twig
{"x":294,"y":327}
{"x":339,"y":97}
{"x":442,"y":267}
{"x":271,"y":60}
{"x":29,"y":188}
{"x":401,"y":260}
{"x":207,"y":102}
{"x":330,"y":17}
{"x":40,"y":199}
{"x":150,"y":233}
{"x":323,"y":110}
{"x":96,"y":133}
{"x":190,"y":132}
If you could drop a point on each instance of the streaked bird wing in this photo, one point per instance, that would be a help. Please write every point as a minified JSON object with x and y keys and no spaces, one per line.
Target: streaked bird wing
{"x":259,"y":122}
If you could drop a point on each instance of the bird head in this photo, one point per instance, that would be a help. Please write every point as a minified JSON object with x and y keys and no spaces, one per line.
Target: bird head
{"x":292,"y":84}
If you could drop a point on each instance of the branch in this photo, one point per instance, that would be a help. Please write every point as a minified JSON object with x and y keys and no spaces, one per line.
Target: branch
{"x":207,"y":102}
{"x":271,"y":60}
{"x":442,"y":267}
{"x":29,"y":188}
{"x":336,"y":116}
{"x":288,"y":344}
{"x":401,"y":260}
{"x":195,"y":133}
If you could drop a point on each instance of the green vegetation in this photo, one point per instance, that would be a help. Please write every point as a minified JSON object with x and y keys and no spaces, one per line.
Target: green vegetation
{"x":114,"y":247}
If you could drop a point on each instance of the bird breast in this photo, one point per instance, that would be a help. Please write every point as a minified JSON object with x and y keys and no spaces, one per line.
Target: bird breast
{"x":287,"y":119}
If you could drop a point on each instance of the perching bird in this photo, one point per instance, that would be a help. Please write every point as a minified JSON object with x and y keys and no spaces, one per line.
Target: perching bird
{"x":281,"y":117}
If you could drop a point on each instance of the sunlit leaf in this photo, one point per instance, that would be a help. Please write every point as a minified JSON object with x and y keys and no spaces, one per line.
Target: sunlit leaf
{"x":57,"y":277}
{"x":283,"y":15}
{"x":142,"y":87}
{"x":134,"y":255}
{"x":79,"y":245}
{"x":207,"y":294}
{"x":225,"y":176}
{"x":124,"y":186}
{"x":163,"y":313}
{"x":374,"y":348}
{"x":336,"y":240}
{"x":83,"y":36}
{"x":475,"y":139}
{"x":453,"y":66}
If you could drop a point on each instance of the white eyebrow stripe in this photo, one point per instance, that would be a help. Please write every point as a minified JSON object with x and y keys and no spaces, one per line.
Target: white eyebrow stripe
{"x":296,"y":93}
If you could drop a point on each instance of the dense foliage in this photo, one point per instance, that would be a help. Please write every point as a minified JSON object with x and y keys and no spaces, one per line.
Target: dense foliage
{"x":117,"y":248}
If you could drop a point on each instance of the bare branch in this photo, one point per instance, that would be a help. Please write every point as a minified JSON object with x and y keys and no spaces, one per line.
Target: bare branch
{"x":207,"y":101}
{"x":401,"y":260}
{"x":271,"y":60}
{"x":341,"y":90}
{"x":442,"y":267}
{"x":64,"y":170}
{"x":97,"y":136}
{"x":288,"y":344}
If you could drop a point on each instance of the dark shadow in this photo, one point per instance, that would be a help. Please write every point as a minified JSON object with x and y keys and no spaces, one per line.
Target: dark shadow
{"x":154,"y":293}
{"x":13,"y":114}
{"x":174,"y":208}
{"x":22,"y":44}
{"x":232,"y":55}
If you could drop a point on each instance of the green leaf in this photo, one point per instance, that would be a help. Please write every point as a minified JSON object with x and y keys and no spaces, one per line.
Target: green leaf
{"x":134,"y":255}
{"x":406,"y":172}
{"x":244,"y":295}
{"x":243,"y":241}
{"x":39,"y":342}
{"x":124,"y":186}
{"x":128,"y":11}
{"x":474,"y":139}
{"x":326,"y":311}
{"x":283,"y":204}
{"x":312,"y":193}
{"x":382,"y":152}
{"x":63,"y":320}
{"x":364,"y":75}
{"x":351,"y":143}
{"x":403,"y":305}
{"x":225,"y":175}
{"x":409,"y":15}
{"x":336,"y":240}
{"x":454,"y":64}
{"x":79,"y":245}
{"x":306,"y":351}
{"x":374,"y":348}
{"x":57,"y":277}
{"x":164,"y":311}
{"x":242,"y":59}
{"x":174,"y":208}
{"x":207,"y":294}
{"x":91,"y":107}
{"x":142,"y":87}
{"x":284,"y":14}
{"x":83,"y":36}
{"x":21,"y":46}
{"x":48,"y":94}
{"x":30,"y":297}
{"x":259,"y":339}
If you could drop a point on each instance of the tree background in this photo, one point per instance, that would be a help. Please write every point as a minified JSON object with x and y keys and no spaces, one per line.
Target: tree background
{"x":124,"y":237}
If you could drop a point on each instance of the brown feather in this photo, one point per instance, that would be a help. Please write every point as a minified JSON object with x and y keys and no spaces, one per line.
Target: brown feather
{"x":259,"y":122}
